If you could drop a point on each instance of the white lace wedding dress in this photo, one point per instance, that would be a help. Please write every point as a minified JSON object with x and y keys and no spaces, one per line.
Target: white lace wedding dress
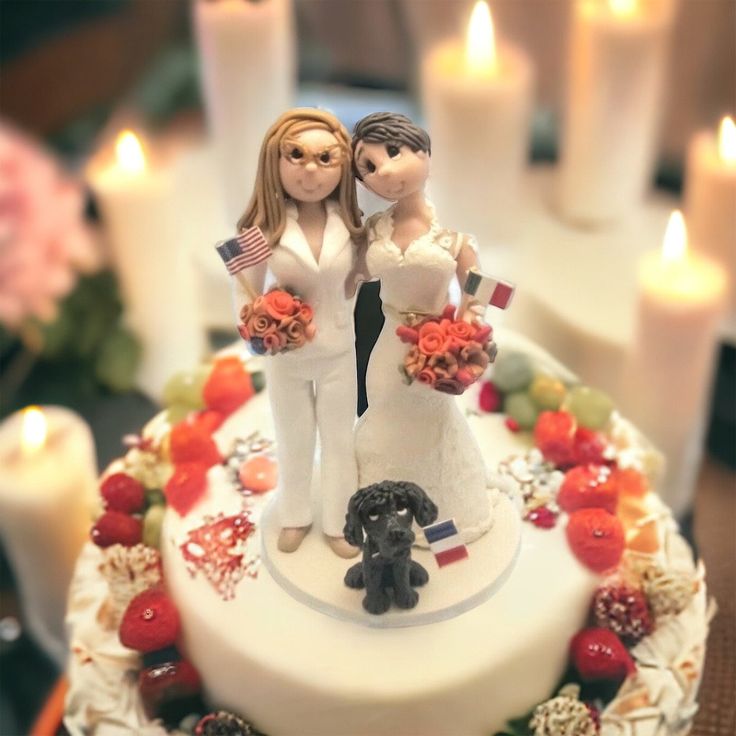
{"x":413,"y":432}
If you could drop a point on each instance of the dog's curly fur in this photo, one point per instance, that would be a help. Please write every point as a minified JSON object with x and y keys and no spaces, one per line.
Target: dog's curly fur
{"x":385,"y":512}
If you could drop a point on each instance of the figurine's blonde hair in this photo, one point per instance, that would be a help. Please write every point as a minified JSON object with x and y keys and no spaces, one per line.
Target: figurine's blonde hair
{"x":267,"y":206}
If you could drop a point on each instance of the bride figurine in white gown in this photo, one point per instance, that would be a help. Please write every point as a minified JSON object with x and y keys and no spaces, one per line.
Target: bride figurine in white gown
{"x":413,"y":432}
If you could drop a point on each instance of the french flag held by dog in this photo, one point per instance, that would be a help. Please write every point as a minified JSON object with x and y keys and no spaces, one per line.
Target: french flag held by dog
{"x":445,"y":543}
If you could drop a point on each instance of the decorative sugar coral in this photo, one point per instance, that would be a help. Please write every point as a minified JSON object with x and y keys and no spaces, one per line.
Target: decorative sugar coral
{"x":276,"y":322}
{"x":446,"y":354}
{"x":45,"y":242}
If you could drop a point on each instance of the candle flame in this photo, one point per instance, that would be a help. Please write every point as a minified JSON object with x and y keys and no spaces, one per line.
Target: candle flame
{"x":674,"y":247}
{"x":33,"y":430}
{"x":129,"y":152}
{"x":480,"y":45}
{"x":727,"y":140}
{"x":622,"y":7}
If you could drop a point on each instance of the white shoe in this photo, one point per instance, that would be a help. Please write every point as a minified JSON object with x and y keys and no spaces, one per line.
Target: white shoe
{"x":291,"y":537}
{"x":341,"y":548}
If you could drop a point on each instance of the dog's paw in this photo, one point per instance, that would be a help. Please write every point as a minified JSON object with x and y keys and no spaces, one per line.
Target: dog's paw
{"x":406,"y":598}
{"x":354,"y":576}
{"x":417,"y":574}
{"x":378,"y":603}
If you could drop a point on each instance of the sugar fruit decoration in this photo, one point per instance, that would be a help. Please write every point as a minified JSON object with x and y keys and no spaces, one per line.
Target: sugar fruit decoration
{"x":222,"y":723}
{"x":596,"y":538}
{"x":599,"y":655}
{"x":123,"y":498}
{"x":169,"y":684}
{"x":624,"y":610}
{"x":565,"y":715}
{"x":588,"y":486}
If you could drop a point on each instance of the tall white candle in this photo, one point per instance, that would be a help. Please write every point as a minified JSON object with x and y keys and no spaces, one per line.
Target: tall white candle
{"x":147,"y":233}
{"x":710,"y":200}
{"x":477,"y":96}
{"x":47,"y":494}
{"x":248,"y":71}
{"x":616,"y":76}
{"x":670,"y":367}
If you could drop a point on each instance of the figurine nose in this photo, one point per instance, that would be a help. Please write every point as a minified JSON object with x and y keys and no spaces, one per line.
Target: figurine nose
{"x":385,"y":169}
{"x":311,"y":166}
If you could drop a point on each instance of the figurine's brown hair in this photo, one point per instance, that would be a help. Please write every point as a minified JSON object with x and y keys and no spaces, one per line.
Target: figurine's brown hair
{"x":391,"y":127}
{"x":267,"y":206}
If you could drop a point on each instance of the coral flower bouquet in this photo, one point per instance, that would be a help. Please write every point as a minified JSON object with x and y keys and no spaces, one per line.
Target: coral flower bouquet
{"x":446,"y":354}
{"x":276,"y":322}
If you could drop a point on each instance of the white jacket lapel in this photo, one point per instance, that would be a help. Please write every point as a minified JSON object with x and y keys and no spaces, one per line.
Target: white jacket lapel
{"x":337,"y":236}
{"x":293,"y":239}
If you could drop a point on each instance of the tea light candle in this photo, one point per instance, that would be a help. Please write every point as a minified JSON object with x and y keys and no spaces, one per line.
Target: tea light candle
{"x":48,"y":476}
{"x":710,"y":200}
{"x":146,"y":228}
{"x":614,"y":98}
{"x":670,"y":366}
{"x":477,"y":96}
{"x":248,"y":71}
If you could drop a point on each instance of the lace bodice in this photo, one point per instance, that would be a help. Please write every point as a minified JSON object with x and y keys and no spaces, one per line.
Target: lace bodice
{"x":418,"y":278}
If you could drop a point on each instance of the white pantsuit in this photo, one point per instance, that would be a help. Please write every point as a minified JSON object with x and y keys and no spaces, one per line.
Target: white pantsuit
{"x":313,"y":389}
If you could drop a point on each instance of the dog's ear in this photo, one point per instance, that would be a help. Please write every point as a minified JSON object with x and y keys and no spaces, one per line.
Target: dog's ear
{"x":353,"y":530}
{"x":421,"y":505}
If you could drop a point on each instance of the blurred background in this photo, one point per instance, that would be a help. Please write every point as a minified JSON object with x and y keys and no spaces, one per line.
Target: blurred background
{"x":108,"y":282}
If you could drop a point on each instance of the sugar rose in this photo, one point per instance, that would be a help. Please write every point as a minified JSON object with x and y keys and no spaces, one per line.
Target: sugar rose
{"x":279,"y":304}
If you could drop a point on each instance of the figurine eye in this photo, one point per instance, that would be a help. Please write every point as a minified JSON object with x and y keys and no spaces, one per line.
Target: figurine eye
{"x":296,"y":154}
{"x":369,"y":167}
{"x":325,"y":157}
{"x":373,"y":517}
{"x":393,"y":150}
{"x":402,"y":510}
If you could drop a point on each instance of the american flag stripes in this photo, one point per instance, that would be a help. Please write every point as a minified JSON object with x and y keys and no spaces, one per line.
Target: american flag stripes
{"x":247,"y":249}
{"x":445,"y":543}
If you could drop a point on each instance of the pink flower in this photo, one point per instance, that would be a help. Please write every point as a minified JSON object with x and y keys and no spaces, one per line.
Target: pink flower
{"x":475,"y":358}
{"x":449,"y":386}
{"x":444,"y":366}
{"x":426,"y":375}
{"x":44,"y":241}
{"x":407,"y":334}
{"x":258,"y":325}
{"x":274,"y":341}
{"x":279,"y":303}
{"x":295,"y":334}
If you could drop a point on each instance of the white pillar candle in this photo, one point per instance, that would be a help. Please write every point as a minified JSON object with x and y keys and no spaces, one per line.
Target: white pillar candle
{"x":248,"y":70}
{"x":477,"y":97}
{"x":147,"y":233}
{"x":47,"y":493}
{"x":710,"y":200}
{"x":616,"y":76}
{"x":670,"y":367}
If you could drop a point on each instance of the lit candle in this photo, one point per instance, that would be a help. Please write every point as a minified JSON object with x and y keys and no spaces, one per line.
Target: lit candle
{"x":248,"y":72}
{"x":670,"y":366}
{"x":477,"y":96}
{"x":47,"y":494}
{"x":616,"y":74}
{"x":710,"y":200}
{"x":147,"y":231}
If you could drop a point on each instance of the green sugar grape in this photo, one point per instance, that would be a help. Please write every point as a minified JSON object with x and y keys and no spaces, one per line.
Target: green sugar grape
{"x":178,"y":412}
{"x":155,"y":497}
{"x":547,"y":392}
{"x":520,"y":407}
{"x":185,"y":387}
{"x":152,"y":522}
{"x":590,"y":406}
{"x":512,"y":372}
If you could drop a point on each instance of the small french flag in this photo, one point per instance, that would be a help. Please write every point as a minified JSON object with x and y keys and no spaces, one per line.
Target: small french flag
{"x":247,"y":249}
{"x":444,"y":541}
{"x":488,"y":290}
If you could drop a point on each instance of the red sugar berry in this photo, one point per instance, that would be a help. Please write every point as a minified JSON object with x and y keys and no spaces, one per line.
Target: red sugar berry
{"x":554,"y":435}
{"x":588,"y":486}
{"x":631,"y":482}
{"x":596,"y":538}
{"x":623,"y":610}
{"x":121,"y":492}
{"x":185,"y":487}
{"x":115,"y":527}
{"x":542,"y":517}
{"x":208,"y":420}
{"x":167,"y":690}
{"x":192,"y":444}
{"x":588,"y":447}
{"x":490,"y":398}
{"x":258,"y":474}
{"x":150,"y":622}
{"x":598,"y":654}
{"x":229,"y":386}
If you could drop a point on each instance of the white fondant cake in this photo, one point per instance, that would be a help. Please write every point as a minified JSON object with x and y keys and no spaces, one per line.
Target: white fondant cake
{"x":284,"y":643}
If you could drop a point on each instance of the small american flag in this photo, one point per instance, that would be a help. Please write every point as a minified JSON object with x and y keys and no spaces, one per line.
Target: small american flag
{"x":488,"y":290}
{"x":445,"y":543}
{"x":247,"y":249}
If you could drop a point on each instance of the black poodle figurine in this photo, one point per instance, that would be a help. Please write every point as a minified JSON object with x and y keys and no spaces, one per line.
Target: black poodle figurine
{"x":386,"y":511}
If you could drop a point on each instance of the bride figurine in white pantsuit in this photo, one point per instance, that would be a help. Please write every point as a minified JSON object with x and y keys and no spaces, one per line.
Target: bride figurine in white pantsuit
{"x":413,"y":432}
{"x":304,"y":201}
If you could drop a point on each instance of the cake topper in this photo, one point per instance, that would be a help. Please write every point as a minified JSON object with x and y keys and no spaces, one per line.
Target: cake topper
{"x":384,"y":512}
{"x":304,"y":203}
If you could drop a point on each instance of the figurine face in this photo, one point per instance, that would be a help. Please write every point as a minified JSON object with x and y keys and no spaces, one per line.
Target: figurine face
{"x":310,"y":165}
{"x":390,"y":170}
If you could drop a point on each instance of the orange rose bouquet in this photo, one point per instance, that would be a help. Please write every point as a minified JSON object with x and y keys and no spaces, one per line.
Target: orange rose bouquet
{"x":276,"y":322}
{"x":446,"y":354}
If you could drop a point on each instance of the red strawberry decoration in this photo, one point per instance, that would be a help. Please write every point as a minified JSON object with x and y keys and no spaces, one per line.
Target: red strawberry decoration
{"x":624,"y":610}
{"x":208,"y":420}
{"x":554,"y":435}
{"x":228,"y":387}
{"x":588,"y":447}
{"x":588,"y":486}
{"x":185,"y":487}
{"x":596,"y":538}
{"x":150,"y":622}
{"x":490,"y":398}
{"x":115,"y":527}
{"x":598,"y":654}
{"x":121,"y":492}
{"x":170,"y":691}
{"x":192,"y":444}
